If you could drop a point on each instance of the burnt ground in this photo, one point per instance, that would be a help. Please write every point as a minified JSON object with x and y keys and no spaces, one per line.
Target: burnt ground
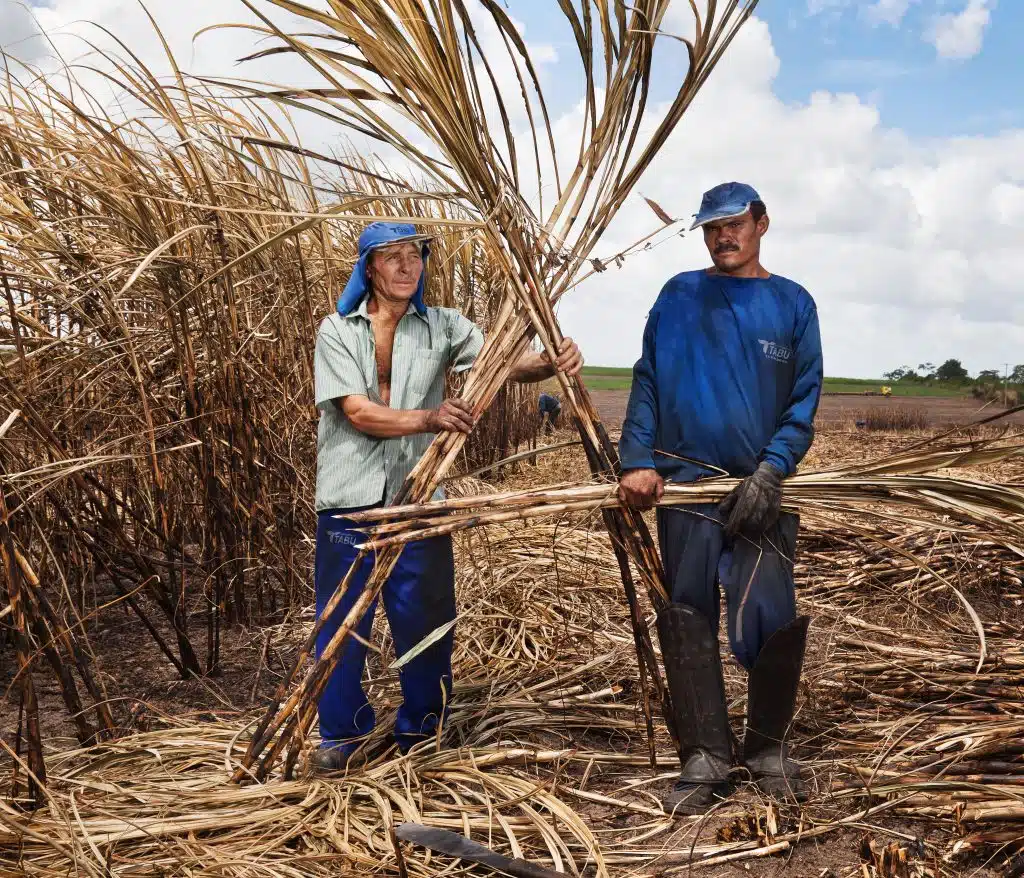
{"x":844,"y":411}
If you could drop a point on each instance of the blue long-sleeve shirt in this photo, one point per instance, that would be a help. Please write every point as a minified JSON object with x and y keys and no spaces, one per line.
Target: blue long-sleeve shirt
{"x":730,"y":376}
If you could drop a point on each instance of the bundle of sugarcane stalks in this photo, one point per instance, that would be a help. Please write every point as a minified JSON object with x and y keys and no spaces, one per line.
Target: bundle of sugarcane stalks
{"x":901,"y":480}
{"x":414,"y":71}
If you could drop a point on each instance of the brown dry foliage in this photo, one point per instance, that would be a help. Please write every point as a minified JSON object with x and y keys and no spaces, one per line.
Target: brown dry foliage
{"x":162,"y":278}
{"x":894,"y":419}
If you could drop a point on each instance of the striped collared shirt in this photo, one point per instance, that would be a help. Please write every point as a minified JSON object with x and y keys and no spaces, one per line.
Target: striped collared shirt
{"x":352,"y":468}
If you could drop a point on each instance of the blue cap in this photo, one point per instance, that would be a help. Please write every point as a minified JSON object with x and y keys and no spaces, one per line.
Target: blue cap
{"x":373,"y":237}
{"x":725,"y":201}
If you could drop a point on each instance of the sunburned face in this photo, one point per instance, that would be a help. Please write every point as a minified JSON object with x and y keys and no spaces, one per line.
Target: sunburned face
{"x":736,"y":242}
{"x":395,"y":271}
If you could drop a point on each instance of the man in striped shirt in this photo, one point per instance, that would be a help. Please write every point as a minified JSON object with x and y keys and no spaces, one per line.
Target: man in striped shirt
{"x":379,"y":370}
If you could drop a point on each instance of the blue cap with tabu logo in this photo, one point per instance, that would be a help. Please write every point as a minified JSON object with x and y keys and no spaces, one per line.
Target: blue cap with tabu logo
{"x":725,"y":201}
{"x":373,"y":237}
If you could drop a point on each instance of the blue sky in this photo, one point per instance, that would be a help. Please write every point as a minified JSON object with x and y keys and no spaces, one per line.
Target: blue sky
{"x":839,"y":46}
{"x":898,"y":70}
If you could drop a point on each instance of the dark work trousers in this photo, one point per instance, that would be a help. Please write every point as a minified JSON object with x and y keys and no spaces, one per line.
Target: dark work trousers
{"x":756,"y":575}
{"x":419,"y":597}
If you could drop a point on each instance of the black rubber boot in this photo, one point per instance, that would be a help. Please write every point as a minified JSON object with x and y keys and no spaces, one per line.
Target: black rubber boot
{"x":693,"y":669}
{"x":771,"y":703}
{"x":331,"y":760}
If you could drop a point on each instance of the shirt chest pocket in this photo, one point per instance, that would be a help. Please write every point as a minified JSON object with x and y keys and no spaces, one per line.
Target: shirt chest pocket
{"x":426,"y":377}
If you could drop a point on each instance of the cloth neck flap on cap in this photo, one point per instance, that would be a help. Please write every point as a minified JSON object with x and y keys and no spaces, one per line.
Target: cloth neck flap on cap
{"x":358,"y":286}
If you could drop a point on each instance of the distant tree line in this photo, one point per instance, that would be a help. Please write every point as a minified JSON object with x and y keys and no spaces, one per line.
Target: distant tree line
{"x":951,"y":372}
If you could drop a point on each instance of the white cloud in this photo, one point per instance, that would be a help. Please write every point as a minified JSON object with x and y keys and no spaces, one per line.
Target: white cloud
{"x":889,"y":12}
{"x":908,"y":246}
{"x":19,"y":34}
{"x":955,"y":35}
{"x":504,"y":70}
{"x":959,"y":35}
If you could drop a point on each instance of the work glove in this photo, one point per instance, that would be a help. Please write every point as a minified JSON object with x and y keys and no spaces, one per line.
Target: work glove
{"x":753,"y":505}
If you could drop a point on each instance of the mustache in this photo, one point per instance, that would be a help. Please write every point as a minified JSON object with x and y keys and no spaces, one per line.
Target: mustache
{"x":726,"y":248}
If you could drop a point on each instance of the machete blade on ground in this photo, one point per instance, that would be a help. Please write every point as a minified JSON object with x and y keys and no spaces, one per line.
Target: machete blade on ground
{"x":454,"y":845}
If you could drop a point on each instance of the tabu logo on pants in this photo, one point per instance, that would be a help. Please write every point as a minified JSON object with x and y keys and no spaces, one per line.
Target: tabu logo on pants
{"x":777,"y":352}
{"x":345,"y":538}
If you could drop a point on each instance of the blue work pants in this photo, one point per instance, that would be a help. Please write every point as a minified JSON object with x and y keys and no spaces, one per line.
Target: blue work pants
{"x":756,"y":575}
{"x":419,"y":597}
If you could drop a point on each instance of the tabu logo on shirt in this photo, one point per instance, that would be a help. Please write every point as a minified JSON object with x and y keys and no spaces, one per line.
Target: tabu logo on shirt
{"x":777,"y":352}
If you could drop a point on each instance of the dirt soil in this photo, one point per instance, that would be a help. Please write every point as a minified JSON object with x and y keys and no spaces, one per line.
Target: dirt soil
{"x":845,"y":411}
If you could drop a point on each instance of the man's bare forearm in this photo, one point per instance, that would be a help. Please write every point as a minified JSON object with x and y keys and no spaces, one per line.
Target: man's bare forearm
{"x":381,"y":421}
{"x":531,"y":368}
{"x":384,"y":422}
{"x":535,"y":366}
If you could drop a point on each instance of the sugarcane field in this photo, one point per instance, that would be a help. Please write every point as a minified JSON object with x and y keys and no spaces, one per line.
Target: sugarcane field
{"x":411,"y":463}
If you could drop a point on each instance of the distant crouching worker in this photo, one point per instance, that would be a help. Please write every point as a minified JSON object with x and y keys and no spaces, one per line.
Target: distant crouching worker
{"x":550,"y":408}
{"x":728,"y":383}
{"x":379,"y":368}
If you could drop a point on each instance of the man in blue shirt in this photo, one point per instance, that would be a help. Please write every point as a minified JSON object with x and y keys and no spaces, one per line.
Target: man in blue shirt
{"x":728,"y":383}
{"x":550,"y":407}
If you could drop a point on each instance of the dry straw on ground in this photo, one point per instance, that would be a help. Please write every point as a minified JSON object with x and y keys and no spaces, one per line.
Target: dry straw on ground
{"x":544,"y":755}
